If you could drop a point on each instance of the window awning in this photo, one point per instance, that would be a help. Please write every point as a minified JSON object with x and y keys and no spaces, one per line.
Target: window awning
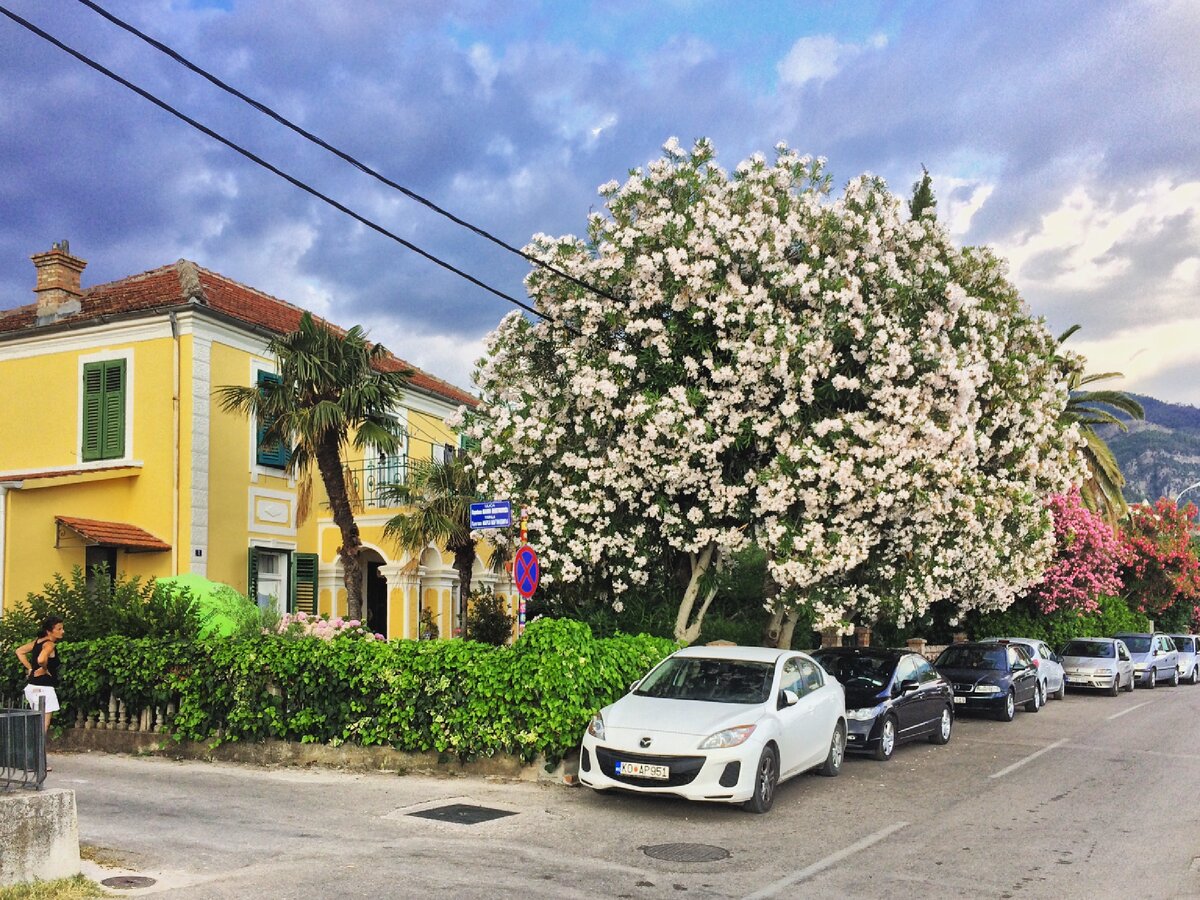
{"x":97,"y":533}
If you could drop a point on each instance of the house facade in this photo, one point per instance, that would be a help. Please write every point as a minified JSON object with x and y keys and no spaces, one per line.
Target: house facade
{"x":116,"y":453}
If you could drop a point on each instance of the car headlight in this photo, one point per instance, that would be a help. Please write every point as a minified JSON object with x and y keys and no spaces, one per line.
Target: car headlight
{"x":1103,"y":672}
{"x":866,"y":714}
{"x":596,"y":727}
{"x":730,"y":737}
{"x":987,"y":689}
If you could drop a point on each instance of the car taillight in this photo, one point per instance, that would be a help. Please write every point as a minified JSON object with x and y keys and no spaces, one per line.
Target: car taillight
{"x":1036,"y":662}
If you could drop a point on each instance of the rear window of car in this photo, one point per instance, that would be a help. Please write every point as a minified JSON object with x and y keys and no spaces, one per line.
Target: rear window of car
{"x":714,"y":680}
{"x":960,"y":657}
{"x":1092,"y":649}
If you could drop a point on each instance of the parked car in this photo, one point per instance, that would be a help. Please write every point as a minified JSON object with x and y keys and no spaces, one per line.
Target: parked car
{"x":1045,"y":660}
{"x":1098,"y":663}
{"x":1188,"y":647}
{"x":892,"y":696}
{"x":1155,"y":658}
{"x":725,"y":724}
{"x":991,"y":677}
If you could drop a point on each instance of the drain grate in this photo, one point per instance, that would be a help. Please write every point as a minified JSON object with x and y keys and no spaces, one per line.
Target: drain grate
{"x":686,"y":852}
{"x":128,"y":882}
{"x":463,"y":814}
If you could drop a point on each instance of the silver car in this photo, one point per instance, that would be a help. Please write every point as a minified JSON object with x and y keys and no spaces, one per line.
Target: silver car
{"x":1188,"y":647}
{"x":1051,"y":677}
{"x":1155,"y":658}
{"x":1098,"y":663}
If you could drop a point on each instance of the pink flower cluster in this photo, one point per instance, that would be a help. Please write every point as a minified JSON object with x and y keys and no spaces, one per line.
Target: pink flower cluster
{"x":301,"y":624}
{"x":1087,"y":558}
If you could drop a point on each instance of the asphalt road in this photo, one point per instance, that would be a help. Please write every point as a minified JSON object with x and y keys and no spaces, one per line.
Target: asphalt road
{"x":1093,"y":797}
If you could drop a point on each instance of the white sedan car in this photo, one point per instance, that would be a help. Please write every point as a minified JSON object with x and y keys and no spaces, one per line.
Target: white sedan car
{"x":725,"y":724}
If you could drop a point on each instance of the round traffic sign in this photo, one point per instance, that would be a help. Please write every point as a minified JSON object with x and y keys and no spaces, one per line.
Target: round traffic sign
{"x":526,"y":571}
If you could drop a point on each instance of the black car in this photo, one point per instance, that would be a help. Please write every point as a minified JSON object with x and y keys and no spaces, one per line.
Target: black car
{"x":891,"y":696}
{"x":992,"y":677}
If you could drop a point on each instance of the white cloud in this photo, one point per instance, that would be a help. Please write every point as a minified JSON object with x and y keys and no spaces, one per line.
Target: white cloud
{"x":820,"y":57}
{"x":448,"y":357}
{"x":1143,"y":354}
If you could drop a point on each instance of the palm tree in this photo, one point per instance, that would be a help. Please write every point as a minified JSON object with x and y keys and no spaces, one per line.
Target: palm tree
{"x":439,"y":497}
{"x":1086,"y":408}
{"x":335,"y":391}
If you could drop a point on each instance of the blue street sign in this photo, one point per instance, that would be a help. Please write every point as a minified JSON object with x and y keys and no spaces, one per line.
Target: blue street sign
{"x":491,"y":514}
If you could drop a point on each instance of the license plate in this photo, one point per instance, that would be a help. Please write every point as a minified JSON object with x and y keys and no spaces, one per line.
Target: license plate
{"x":1076,"y":679}
{"x":643,"y":770}
{"x":960,"y":699}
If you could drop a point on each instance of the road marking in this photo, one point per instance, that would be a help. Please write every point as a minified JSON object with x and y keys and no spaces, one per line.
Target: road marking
{"x":821,"y":865}
{"x":1030,"y":758}
{"x":1131,"y":709}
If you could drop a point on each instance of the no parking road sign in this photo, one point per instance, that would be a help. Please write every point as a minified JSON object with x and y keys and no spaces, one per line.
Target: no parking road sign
{"x":526,"y":571}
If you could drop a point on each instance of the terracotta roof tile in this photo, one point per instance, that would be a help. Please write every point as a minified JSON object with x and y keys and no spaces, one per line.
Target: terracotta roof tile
{"x":113,"y":534}
{"x":185,"y":282}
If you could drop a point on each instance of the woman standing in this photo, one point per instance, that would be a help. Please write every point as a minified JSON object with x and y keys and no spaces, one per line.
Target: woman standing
{"x":43,"y":667}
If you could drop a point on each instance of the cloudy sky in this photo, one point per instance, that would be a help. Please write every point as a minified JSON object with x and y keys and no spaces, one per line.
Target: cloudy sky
{"x":1065,"y":135}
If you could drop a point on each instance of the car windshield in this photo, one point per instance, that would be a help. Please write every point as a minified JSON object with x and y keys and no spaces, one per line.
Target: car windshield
{"x":958,"y":657}
{"x":715,"y":680}
{"x":1092,"y":649}
{"x":858,"y":671}
{"x":1137,"y":644}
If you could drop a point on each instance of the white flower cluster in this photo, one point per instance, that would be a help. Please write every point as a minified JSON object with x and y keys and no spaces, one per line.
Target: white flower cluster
{"x":827,"y":378}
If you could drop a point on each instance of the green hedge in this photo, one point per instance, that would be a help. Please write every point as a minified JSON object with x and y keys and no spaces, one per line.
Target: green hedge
{"x":457,"y":697}
{"x":1113,"y":616}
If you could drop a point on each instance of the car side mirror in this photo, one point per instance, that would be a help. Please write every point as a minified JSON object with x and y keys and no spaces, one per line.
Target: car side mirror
{"x":787,"y":698}
{"x":1157,"y":652}
{"x":1020,"y":666}
{"x":908,"y":685}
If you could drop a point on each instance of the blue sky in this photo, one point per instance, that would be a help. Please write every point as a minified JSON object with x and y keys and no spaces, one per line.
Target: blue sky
{"x":1064,"y":135}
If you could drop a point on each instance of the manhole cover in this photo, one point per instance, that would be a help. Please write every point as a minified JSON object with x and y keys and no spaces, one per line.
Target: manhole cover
{"x":463,"y":814}
{"x":686,"y":852}
{"x":128,"y":882}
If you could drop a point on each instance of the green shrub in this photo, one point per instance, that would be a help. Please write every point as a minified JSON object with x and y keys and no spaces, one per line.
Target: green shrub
{"x":457,"y":697}
{"x":1113,"y":616}
{"x":488,"y":619}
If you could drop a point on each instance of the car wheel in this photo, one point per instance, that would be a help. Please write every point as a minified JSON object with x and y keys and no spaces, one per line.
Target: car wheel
{"x":1009,"y":712}
{"x":766,"y":779}
{"x":1038,"y":700}
{"x":1061,"y":693}
{"x":1151,"y":679}
{"x":942,"y":734}
{"x":1175,"y":677}
{"x":1129,"y":687}
{"x":887,"y":740}
{"x":837,"y":752}
{"x":1116,"y":685}
{"x":1195,"y":675}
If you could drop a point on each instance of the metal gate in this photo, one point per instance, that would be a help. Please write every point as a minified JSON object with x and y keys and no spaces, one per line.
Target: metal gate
{"x":22,"y":749}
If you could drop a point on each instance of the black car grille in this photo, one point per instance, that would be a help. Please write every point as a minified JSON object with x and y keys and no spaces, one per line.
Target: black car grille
{"x":683,"y":769}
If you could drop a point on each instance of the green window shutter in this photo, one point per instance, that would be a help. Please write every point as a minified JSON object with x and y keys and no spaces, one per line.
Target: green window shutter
{"x":104,"y":410}
{"x":112,"y":441}
{"x":273,"y":453}
{"x":252,"y":576}
{"x":304,"y":583}
{"x":467,"y":443}
{"x":93,"y":404}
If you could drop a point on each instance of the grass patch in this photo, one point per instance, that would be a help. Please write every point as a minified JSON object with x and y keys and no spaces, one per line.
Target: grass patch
{"x":104,"y":856}
{"x":76,"y":888}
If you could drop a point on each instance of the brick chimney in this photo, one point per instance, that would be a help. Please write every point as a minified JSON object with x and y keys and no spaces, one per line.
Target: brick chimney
{"x":57,"y":289}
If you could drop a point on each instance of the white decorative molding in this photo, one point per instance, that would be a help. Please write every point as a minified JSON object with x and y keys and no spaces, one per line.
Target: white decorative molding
{"x":272,"y":511}
{"x":93,"y":337}
{"x":426,"y":404}
{"x":201,"y":406}
{"x":260,"y":497}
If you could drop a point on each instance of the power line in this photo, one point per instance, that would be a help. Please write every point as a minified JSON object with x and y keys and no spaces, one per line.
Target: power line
{"x":340,"y":154}
{"x":295,"y":182}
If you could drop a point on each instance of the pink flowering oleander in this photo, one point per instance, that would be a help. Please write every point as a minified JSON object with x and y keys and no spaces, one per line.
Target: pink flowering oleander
{"x":1161,"y":568}
{"x":823,"y":377}
{"x":301,"y":624}
{"x":1087,"y":558}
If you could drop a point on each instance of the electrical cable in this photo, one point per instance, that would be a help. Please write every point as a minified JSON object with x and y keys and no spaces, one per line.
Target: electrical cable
{"x":340,"y":154}
{"x":295,"y":182}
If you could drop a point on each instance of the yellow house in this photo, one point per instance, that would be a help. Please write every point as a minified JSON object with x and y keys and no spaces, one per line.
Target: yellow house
{"x":115,"y":453}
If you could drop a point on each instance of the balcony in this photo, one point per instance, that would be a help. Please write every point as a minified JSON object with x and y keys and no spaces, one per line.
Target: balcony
{"x":371,"y":479}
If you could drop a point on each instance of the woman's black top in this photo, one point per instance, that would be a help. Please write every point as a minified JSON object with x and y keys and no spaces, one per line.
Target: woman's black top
{"x":49,"y":678}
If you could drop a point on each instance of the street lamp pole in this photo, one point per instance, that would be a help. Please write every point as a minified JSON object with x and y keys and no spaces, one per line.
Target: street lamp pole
{"x":1185,"y":490}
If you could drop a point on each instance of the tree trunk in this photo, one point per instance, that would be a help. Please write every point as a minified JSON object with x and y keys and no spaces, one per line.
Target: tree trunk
{"x":774,"y":627}
{"x":329,"y":463}
{"x":685,"y":629}
{"x":464,"y":562}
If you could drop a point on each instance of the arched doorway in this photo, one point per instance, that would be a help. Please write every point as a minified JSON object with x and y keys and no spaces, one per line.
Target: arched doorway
{"x":375,"y":591}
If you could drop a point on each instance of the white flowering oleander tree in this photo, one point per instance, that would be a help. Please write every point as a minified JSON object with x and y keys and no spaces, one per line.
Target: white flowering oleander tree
{"x":825,"y":377}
